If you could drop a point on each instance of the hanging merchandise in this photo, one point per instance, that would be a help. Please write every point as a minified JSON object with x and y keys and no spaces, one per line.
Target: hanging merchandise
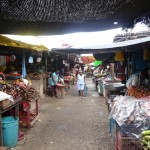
{"x":146,"y":54}
{"x":52,"y":59}
{"x":30,"y":60}
{"x":39,"y":59}
{"x":12,"y":58}
{"x":119,"y":56}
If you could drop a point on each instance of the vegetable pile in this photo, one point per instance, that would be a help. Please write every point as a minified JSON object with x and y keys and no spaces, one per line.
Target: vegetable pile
{"x":146,"y":139}
{"x":139,"y":92}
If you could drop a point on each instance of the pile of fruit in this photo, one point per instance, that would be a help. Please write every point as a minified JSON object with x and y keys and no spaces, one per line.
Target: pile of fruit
{"x":139,"y":92}
{"x":146,"y":139}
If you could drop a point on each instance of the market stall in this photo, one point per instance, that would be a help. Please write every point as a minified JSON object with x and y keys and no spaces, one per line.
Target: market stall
{"x":131,"y":117}
{"x":130,"y":114}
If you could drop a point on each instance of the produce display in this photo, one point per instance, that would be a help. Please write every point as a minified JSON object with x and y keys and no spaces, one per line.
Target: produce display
{"x":139,"y":92}
{"x":131,"y":115}
{"x":10,"y":88}
{"x":100,"y":75}
{"x":29,"y":94}
{"x":36,"y":75}
{"x":146,"y":139}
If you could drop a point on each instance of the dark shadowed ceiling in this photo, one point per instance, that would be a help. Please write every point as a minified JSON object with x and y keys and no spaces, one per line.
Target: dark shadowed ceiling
{"x":39,"y":17}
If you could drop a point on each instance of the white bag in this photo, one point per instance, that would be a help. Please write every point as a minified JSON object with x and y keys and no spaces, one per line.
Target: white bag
{"x":4,"y":96}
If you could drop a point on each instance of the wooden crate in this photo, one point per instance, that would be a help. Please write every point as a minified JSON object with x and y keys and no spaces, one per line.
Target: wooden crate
{"x":127,"y":143}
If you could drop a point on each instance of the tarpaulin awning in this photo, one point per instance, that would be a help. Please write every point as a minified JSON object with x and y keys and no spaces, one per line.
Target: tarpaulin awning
{"x":114,"y":47}
{"x":88,"y":59}
{"x":5,"y":41}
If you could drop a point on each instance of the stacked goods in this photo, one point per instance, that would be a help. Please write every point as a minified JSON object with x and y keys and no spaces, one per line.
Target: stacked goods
{"x":14,"y":74}
{"x":131,"y":115}
{"x":127,"y":143}
{"x":146,"y":139}
{"x":100,"y":75}
{"x":10,"y":88}
{"x":139,"y":92}
{"x":37,"y":75}
{"x":29,"y":94}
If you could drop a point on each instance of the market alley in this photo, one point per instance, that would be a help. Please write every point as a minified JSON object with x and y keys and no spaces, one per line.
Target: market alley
{"x":72,"y":123}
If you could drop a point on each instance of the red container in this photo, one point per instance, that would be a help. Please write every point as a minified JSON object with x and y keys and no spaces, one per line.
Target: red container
{"x":127,"y":143}
{"x":60,"y":86}
{"x":68,"y":78}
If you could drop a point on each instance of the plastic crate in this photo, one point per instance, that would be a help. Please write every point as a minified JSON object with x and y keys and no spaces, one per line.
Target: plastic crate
{"x":127,"y":143}
{"x":130,"y":130}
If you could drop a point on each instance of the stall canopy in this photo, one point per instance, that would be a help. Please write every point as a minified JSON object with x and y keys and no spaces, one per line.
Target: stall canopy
{"x":65,"y":16}
{"x":133,"y":45}
{"x":88,"y":59}
{"x":5,"y":41}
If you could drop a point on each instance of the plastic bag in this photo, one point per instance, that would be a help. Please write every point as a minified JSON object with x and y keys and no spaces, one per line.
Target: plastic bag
{"x":85,"y":90}
{"x":4,"y":96}
{"x":131,"y":115}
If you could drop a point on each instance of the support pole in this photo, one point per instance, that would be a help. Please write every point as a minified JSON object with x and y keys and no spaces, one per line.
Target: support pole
{"x":23,"y":65}
{"x":46,"y":63}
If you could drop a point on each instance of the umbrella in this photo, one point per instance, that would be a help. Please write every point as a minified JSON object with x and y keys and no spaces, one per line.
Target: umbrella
{"x":97,"y":63}
{"x":88,"y":59}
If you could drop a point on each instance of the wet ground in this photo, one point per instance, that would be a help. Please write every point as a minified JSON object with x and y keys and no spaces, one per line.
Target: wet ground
{"x":72,"y":123}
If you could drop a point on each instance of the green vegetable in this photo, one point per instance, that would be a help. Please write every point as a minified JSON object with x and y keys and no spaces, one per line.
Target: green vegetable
{"x":144,"y":142}
{"x":146,"y":132}
{"x":147,"y":137}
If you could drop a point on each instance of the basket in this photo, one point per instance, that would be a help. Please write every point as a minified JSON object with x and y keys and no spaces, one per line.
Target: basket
{"x":68,"y":77}
{"x":130,"y":130}
{"x":60,"y":86}
{"x":127,"y":143}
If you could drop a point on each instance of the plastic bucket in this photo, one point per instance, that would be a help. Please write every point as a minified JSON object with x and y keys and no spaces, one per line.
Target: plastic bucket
{"x":10,"y":131}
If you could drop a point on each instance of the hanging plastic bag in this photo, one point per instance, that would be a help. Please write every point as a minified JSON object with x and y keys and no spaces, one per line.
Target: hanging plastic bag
{"x":85,"y":90}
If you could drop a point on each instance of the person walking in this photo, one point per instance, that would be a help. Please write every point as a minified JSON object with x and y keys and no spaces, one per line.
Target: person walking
{"x":80,"y":83}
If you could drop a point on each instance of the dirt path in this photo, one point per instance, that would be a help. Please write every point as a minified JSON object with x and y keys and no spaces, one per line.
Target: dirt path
{"x":72,"y":123}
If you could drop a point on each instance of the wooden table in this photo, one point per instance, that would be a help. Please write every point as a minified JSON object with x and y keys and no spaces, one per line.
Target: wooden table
{"x":12,"y":105}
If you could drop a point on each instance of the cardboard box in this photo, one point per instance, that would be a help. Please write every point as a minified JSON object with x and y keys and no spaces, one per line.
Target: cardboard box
{"x":4,"y":103}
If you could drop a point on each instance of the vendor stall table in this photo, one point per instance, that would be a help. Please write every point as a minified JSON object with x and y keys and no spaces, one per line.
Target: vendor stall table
{"x":12,"y":105}
{"x":27,"y":117}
